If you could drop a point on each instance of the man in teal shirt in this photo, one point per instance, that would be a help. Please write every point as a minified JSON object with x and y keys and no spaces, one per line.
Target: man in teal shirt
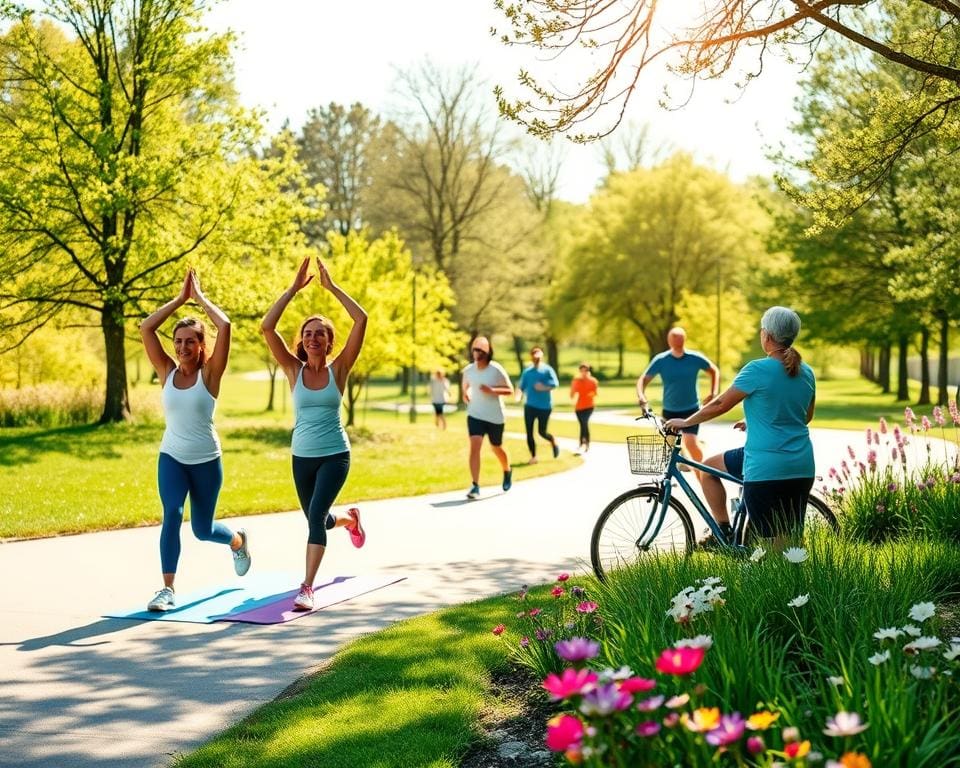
{"x":537,"y":382}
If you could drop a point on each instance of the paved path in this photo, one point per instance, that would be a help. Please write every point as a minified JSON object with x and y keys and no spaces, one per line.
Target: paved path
{"x":78,"y":691}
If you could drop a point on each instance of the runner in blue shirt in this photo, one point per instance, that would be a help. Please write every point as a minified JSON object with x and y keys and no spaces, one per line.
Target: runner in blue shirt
{"x":537,"y":382}
{"x":678,"y":369}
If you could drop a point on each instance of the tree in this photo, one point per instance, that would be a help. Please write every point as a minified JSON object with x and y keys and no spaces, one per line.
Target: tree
{"x":706,"y":43}
{"x":651,"y":235}
{"x":122,"y":154}
{"x":379,"y":274}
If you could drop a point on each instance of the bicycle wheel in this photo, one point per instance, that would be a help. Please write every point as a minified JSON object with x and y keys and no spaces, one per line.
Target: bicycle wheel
{"x":818,"y":517}
{"x":635,"y":523}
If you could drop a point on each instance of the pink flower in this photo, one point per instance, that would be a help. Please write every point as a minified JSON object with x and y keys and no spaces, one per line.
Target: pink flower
{"x":543,"y":634}
{"x":680,"y":661}
{"x":730,"y":730}
{"x":871,"y":457}
{"x":586,"y":607}
{"x":755,"y":745}
{"x":883,"y":426}
{"x":649,"y":728}
{"x":925,"y":423}
{"x":499,"y":629}
{"x":524,"y":642}
{"x":671,"y":720}
{"x":851,"y":452}
{"x":908,"y":416}
{"x":648,"y":705}
{"x":558,"y":591}
{"x":938,"y":415}
{"x":637,"y":684}
{"x":869,"y":435}
{"x":954,"y":412}
{"x":563,"y":577}
{"x":564,"y":732}
{"x":576,"y":649}
{"x":570,"y":682}
{"x":535,"y":612}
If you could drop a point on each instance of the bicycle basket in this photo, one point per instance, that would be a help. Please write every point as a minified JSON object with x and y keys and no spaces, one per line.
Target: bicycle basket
{"x":649,"y":454}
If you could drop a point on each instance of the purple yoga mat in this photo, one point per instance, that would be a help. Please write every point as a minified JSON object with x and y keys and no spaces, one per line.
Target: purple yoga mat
{"x":325,"y":594}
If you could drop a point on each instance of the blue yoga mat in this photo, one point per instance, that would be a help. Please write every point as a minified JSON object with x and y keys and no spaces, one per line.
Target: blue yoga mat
{"x":219,"y":603}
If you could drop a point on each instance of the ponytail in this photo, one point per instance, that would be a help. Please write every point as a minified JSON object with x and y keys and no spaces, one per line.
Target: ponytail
{"x":791,"y":361}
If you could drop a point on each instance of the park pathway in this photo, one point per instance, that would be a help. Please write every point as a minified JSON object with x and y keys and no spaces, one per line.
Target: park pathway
{"x":80,"y":691}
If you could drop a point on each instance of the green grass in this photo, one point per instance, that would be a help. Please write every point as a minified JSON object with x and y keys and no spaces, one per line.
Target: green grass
{"x":410,"y":695}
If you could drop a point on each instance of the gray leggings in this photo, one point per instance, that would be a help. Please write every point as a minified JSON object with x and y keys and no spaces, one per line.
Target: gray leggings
{"x":318,"y":481}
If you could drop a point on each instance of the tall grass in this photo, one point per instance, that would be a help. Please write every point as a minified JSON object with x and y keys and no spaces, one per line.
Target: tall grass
{"x":63,"y":405}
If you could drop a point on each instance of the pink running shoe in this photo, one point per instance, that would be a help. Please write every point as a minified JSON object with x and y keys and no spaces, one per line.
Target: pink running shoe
{"x":357,"y":535}
{"x":304,"y":600}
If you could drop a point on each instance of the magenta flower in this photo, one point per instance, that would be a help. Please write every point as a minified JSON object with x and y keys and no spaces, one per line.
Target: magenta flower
{"x":908,"y":416}
{"x":563,"y":577}
{"x":730,"y":730}
{"x":680,"y":661}
{"x":535,"y":612}
{"x":570,"y":682}
{"x":586,"y":607}
{"x":558,"y":591}
{"x":671,"y":720}
{"x":498,"y":630}
{"x":564,"y":732}
{"x":755,"y":745}
{"x":577,"y":649}
{"x":524,"y":642}
{"x":649,"y":728}
{"x":605,"y":700}
{"x":637,"y":685}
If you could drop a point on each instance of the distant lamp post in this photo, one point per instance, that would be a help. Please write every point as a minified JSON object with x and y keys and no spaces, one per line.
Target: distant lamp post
{"x":413,"y":351}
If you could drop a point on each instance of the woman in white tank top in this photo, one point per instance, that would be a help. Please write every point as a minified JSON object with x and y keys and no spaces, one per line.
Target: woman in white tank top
{"x":189,"y":462}
{"x":320,"y":448}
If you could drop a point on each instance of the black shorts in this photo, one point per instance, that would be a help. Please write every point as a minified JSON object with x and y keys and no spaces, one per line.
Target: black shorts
{"x":777,"y":507}
{"x":733,"y":461}
{"x":479,"y":428}
{"x":682,"y":415}
{"x":438,"y":409}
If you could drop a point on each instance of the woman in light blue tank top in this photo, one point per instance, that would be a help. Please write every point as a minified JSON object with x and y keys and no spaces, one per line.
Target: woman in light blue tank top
{"x":189,"y":462}
{"x":320,"y":447}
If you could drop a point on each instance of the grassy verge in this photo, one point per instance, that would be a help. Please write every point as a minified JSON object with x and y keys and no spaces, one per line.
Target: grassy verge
{"x":408,"y":696}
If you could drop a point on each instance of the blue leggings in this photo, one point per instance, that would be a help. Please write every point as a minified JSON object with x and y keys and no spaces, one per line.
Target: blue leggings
{"x":318,"y":481}
{"x":202,"y":482}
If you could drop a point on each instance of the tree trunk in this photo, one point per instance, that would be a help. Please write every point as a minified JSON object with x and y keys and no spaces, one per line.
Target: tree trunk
{"x":518,"y":351}
{"x":116,"y":402}
{"x":903,"y":390}
{"x":943,"y":359}
{"x":405,"y":380}
{"x":924,"y":367}
{"x":866,"y":363}
{"x":353,"y":392}
{"x":272,"y":370}
{"x":883,"y":373}
{"x":620,"y":349}
{"x":553,"y":354}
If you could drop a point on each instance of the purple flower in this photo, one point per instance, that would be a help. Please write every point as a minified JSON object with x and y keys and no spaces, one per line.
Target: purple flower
{"x":649,"y":728}
{"x":925,"y":423}
{"x":892,"y":487}
{"x":577,"y":591}
{"x":524,"y":642}
{"x":577,"y":649}
{"x":542,"y":634}
{"x":605,"y":700}
{"x":851,"y":452}
{"x":730,"y":729}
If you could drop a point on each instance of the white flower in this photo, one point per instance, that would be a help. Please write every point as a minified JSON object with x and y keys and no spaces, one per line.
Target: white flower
{"x":879,"y":658}
{"x":952,"y":654}
{"x":891,"y":633}
{"x":845,"y":724}
{"x":912,"y":630}
{"x":758,"y":553}
{"x":922,"y":673}
{"x":799,"y":600}
{"x":712,"y":581}
{"x":700,"y":641}
{"x":608,"y":674}
{"x":835,"y":680}
{"x":922,"y":611}
{"x":795,"y":554}
{"x":921,"y":644}
{"x":675,"y":702}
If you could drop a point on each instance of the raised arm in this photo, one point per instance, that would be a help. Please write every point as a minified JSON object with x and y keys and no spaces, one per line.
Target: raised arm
{"x":288,"y":361}
{"x":217,"y":362}
{"x":344,"y":362}
{"x":162,"y":362}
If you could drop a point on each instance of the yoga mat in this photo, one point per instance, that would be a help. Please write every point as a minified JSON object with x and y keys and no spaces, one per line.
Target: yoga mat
{"x":246,"y":595}
{"x":325,"y":594}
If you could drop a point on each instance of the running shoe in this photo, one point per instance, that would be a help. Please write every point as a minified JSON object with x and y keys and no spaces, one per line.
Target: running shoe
{"x":507,"y":479}
{"x":164,"y":600}
{"x":556,"y":450}
{"x":304,"y":599}
{"x":241,"y":557}
{"x":474,"y":492}
{"x":358,"y":536}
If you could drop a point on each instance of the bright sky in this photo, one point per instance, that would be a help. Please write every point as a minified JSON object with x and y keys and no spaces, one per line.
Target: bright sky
{"x":296,"y":54}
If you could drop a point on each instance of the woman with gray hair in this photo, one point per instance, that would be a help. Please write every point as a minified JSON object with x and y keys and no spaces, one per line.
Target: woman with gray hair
{"x":779,"y":396}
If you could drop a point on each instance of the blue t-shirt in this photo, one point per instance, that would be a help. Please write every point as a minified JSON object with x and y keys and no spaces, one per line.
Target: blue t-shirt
{"x":778,"y":443}
{"x":679,"y":376}
{"x":543,"y":374}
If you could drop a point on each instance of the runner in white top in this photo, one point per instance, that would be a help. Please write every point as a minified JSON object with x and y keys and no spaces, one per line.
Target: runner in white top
{"x":485,"y":383}
{"x":439,"y":394}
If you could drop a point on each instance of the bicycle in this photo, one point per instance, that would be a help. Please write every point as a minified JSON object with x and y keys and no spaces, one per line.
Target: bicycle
{"x":651,"y":518}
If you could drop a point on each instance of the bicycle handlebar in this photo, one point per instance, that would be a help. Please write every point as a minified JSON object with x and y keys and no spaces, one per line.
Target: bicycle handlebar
{"x":649,"y":415}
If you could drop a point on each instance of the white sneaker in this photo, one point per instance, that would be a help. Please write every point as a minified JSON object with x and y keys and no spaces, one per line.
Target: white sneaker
{"x":241,"y":557}
{"x":474,"y":492}
{"x":304,"y":599}
{"x":164,"y":600}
